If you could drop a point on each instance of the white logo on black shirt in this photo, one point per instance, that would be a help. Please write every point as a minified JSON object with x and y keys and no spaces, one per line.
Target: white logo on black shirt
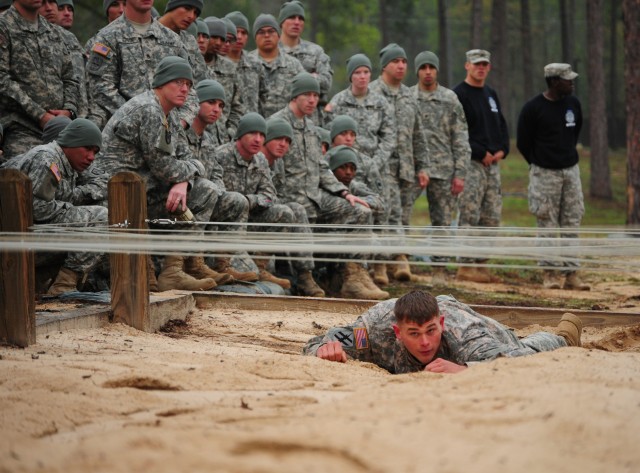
{"x":570,"y":118}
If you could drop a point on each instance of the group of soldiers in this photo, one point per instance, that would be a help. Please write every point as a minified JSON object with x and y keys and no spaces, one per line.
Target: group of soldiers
{"x":228,"y":138}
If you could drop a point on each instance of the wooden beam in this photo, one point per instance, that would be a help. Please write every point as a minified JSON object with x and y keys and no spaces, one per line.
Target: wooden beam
{"x":129,"y":281}
{"x":17,"y":274}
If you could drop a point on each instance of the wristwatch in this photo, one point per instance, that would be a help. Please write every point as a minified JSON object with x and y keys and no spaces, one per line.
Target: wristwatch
{"x":72,"y":114}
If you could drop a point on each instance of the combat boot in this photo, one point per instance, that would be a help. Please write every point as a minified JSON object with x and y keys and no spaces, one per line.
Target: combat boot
{"x":151,"y":275}
{"x":66,"y":281}
{"x":403,"y":271}
{"x":380,"y":274}
{"x":266,"y":276}
{"x":570,"y":328}
{"x":223,"y":265}
{"x":172,"y":276}
{"x":573,"y":282}
{"x":376,"y":293}
{"x":551,"y":279}
{"x":196,"y":267}
{"x":353,"y":286}
{"x":439,"y":277}
{"x":466,"y":273}
{"x":307,"y":286}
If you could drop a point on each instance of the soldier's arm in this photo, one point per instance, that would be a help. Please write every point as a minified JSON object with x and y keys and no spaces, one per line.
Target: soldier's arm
{"x":45,"y":177}
{"x":388,"y":138}
{"x":525,"y":133}
{"x":324,"y":73}
{"x":420,"y":146}
{"x":236,"y":108}
{"x":71,"y":77}
{"x":266,"y":194}
{"x":460,"y":147}
{"x":352,"y":338}
{"x":103,"y":75}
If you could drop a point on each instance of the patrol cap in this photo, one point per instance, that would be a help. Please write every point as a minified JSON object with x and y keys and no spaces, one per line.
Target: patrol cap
{"x":210,"y":89}
{"x":231,"y":27}
{"x":343,"y":123}
{"x":289,"y":9}
{"x":250,"y":123}
{"x":239,"y":19}
{"x":263,"y":20}
{"x":325,"y":136}
{"x":475,"y":56}
{"x":171,"y":68}
{"x":53,"y":128}
{"x":356,"y":61}
{"x":278,"y":128}
{"x":217,"y":27}
{"x":80,"y":132}
{"x":561,"y":70}
{"x":173,"y":4}
{"x":390,"y":52}
{"x":202,"y":27}
{"x":66,"y":2}
{"x":340,"y":155}
{"x":426,"y":57}
{"x":302,"y":83}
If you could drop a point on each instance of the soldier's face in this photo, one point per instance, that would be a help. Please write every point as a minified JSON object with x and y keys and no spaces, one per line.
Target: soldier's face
{"x":183,"y":16}
{"x":427,"y":75}
{"x":241,"y":40}
{"x":65,"y":16}
{"x":422,"y":341}
{"x":215,"y":45}
{"x":81,"y":157}
{"x":396,"y":69}
{"x":347,"y":138}
{"x":224,"y":50}
{"x":210,"y":111}
{"x":175,"y":92}
{"x":249,"y":144}
{"x":115,"y":10}
{"x":345,"y":173}
{"x":267,"y":39}
{"x":361,"y":77}
{"x":30,"y":5}
{"x":49,"y":10}
{"x":203,"y":42}
{"x":140,"y":6}
{"x":478,"y":71}
{"x":306,"y":103}
{"x":278,"y":147}
{"x":293,"y":26}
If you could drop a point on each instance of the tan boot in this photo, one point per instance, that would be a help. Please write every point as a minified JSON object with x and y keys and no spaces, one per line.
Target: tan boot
{"x":196,"y":267}
{"x":376,"y":293}
{"x":419,"y":279}
{"x":472,"y":274}
{"x":173,"y":277}
{"x":353,"y":286}
{"x":439,"y":277}
{"x":307,"y":285}
{"x":380,"y":274}
{"x":151,"y":275}
{"x":403,"y":271}
{"x":223,"y":265}
{"x":266,"y":276}
{"x":570,"y":328}
{"x":574,"y":283}
{"x":66,"y":281}
{"x":551,"y":279}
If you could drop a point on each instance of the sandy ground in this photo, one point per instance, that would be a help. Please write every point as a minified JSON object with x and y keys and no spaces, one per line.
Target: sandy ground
{"x":229,"y":392}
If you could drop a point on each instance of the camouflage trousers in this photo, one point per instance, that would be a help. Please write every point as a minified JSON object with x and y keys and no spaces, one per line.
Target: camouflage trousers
{"x":19,"y":139}
{"x":300,"y":214}
{"x":556,"y":200}
{"x":402,"y":196}
{"x":442,"y":206}
{"x":201,"y":200}
{"x":538,"y":342}
{"x":481,"y":201}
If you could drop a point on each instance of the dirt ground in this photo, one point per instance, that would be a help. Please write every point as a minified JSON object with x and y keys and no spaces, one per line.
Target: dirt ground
{"x":228,"y":391}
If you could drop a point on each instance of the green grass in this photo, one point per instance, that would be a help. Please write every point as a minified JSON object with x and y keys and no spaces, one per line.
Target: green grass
{"x":515,"y":179}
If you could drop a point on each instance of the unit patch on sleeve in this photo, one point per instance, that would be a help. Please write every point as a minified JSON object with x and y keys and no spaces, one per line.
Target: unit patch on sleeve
{"x":56,"y":171}
{"x":361,"y":337}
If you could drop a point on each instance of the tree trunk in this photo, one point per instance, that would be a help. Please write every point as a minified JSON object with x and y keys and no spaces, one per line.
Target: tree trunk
{"x":445,"y":72}
{"x":476,"y":25}
{"x":566,"y":22}
{"x":499,"y":49}
{"x":631,"y":14}
{"x":527,"y":53}
{"x":384,"y":34}
{"x":313,"y":30}
{"x":600,"y":183}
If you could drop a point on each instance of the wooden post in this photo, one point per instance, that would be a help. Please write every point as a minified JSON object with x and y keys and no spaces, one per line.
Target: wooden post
{"x":17,"y":274}
{"x":129,"y":282}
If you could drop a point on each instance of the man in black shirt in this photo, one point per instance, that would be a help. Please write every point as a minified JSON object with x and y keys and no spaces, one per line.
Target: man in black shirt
{"x":548,"y":129}
{"x":481,"y":200}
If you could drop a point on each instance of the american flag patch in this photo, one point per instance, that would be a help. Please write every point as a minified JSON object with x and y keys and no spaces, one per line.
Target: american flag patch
{"x":101,"y":49}
{"x":55,"y":171}
{"x":362,"y":340}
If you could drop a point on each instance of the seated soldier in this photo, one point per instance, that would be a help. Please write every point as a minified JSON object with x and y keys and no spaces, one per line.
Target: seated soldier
{"x":419,"y":332}
{"x":53,"y":169}
{"x":246,"y":170}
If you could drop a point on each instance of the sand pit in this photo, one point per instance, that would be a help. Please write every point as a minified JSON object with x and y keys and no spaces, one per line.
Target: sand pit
{"x":230,"y":392}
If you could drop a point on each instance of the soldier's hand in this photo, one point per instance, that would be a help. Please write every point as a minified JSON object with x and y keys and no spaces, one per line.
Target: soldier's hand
{"x":353,"y":200}
{"x":487,"y":160}
{"x":332,"y":351}
{"x":423,"y":179}
{"x":443,"y":366}
{"x":177,"y":199}
{"x":45,"y":118}
{"x":457,"y":186}
{"x":498,"y":155}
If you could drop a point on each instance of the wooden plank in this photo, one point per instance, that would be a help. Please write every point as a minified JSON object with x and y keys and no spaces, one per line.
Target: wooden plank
{"x":129,"y":282}
{"x":17,"y":274}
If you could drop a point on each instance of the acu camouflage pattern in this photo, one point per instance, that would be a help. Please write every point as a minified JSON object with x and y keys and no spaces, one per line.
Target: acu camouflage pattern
{"x":59,"y":201}
{"x":36,"y":75}
{"x":275,"y":82}
{"x":77,"y":58}
{"x":468,"y":338}
{"x":248,"y":70}
{"x":481,"y":200}
{"x":556,"y":199}
{"x":315,"y":61}
{"x":224,"y":71}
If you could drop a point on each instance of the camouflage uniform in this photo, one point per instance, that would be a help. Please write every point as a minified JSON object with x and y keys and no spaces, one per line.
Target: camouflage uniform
{"x":224,"y":71}
{"x":122,"y":64}
{"x":445,"y":126}
{"x":36,"y":75}
{"x":77,"y":57}
{"x":468,"y":338}
{"x":275,"y":82}
{"x":248,"y":70}
{"x":56,"y":198}
{"x":368,"y":175}
{"x":411,"y":154}
{"x":195,"y":56}
{"x":376,"y":204}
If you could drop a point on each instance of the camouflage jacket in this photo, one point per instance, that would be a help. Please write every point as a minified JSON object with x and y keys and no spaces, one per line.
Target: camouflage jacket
{"x":412,"y":151}
{"x":195,"y":56}
{"x":250,"y":178}
{"x":139,"y":138}
{"x":224,"y":71}
{"x":445,"y":125}
{"x":360,"y":189}
{"x":367,"y":172}
{"x":377,"y":133}
{"x":77,"y":57}
{"x":304,"y":171}
{"x":315,"y":61}
{"x":248,"y":70}
{"x":36,"y":71}
{"x":275,"y":82}
{"x":468,"y":337}
{"x":203,"y":148}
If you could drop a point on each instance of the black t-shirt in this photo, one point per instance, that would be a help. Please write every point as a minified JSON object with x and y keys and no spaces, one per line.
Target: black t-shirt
{"x":548,"y":131}
{"x":487,"y":127}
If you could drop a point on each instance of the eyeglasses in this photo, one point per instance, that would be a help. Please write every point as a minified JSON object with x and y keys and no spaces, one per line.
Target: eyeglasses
{"x":230,"y":41}
{"x":266,"y":32}
{"x":183,"y":82}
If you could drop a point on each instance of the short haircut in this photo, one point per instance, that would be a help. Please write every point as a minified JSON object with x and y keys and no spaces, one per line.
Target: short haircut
{"x":416,"y":306}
